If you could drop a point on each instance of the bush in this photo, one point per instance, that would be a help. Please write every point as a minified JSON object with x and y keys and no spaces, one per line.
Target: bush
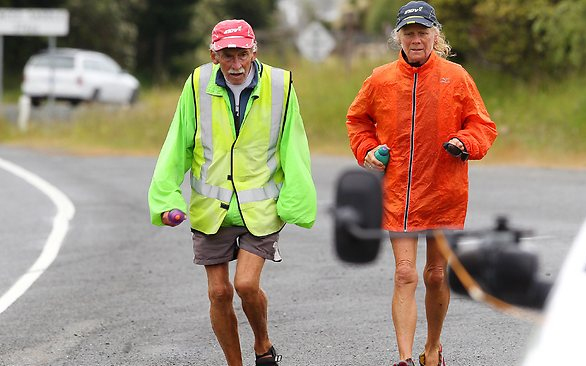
{"x":522,"y":38}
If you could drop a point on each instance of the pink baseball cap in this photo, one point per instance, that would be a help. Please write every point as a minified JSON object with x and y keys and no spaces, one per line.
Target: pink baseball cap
{"x":233,"y":33}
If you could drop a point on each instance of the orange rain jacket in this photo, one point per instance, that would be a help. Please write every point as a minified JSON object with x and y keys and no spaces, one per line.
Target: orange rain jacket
{"x":414,"y":110}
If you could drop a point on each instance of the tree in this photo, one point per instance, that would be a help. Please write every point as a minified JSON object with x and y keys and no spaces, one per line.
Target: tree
{"x":104,"y":26}
{"x":257,"y":13}
{"x":541,"y":37}
{"x":156,"y":39}
{"x":381,"y":16}
{"x":208,"y":12}
{"x":164,"y":35}
{"x":560,"y":34}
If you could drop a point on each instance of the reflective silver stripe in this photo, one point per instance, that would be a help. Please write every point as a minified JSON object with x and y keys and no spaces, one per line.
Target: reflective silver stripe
{"x":205,"y":118}
{"x":271,"y":190}
{"x":278,"y":95}
{"x":210,"y":191}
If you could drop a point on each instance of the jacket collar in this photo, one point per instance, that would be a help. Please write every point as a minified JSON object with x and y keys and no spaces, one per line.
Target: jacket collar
{"x":406,"y":67}
{"x":220,"y":85}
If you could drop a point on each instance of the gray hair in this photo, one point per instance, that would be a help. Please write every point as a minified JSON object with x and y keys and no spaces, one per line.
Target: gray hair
{"x":441,"y":46}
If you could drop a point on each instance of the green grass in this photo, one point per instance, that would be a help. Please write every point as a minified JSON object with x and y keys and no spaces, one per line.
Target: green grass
{"x":539,"y":123}
{"x":325,"y":92}
{"x":103,"y":129}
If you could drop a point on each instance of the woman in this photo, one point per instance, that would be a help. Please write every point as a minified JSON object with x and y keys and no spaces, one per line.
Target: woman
{"x":414,"y":106}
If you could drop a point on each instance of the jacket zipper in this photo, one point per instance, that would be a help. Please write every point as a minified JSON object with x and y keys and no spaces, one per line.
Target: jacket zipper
{"x":411,"y":153}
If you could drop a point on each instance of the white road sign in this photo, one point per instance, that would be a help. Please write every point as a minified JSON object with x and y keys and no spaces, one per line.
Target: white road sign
{"x":315,"y":42}
{"x":34,"y":22}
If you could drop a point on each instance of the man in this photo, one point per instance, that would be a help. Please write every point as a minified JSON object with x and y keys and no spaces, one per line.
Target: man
{"x":238,"y":129}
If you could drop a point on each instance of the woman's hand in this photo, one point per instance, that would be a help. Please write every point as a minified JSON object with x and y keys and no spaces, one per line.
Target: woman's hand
{"x":371,"y":162}
{"x":456,"y":148}
{"x":458,"y":143}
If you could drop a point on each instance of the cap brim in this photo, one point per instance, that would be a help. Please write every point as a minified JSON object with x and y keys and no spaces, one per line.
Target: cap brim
{"x":236,"y":42}
{"x":415,"y":20}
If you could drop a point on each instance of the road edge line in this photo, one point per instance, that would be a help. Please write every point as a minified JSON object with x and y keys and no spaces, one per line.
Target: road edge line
{"x":65,"y":212}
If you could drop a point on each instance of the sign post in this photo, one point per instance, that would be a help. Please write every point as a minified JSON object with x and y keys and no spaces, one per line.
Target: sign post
{"x":30,"y":22}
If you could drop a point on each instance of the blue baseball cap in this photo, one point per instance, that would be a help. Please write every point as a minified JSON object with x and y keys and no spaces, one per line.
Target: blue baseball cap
{"x":416,"y":12}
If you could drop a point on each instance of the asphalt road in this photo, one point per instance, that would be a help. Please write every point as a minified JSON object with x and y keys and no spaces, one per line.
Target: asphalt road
{"x":123,"y":292}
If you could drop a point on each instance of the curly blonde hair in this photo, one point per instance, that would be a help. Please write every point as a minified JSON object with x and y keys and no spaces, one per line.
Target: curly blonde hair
{"x":441,"y":46}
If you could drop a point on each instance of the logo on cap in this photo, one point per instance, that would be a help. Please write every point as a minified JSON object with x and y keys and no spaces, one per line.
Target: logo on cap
{"x":409,"y":11}
{"x":233,"y":30}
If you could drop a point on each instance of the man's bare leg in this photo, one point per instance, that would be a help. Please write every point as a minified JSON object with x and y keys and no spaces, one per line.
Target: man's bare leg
{"x":222,"y":315}
{"x":254,"y":300}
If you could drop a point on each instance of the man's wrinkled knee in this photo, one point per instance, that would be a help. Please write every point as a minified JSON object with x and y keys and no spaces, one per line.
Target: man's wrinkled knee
{"x":246,"y":289}
{"x":221,"y":294}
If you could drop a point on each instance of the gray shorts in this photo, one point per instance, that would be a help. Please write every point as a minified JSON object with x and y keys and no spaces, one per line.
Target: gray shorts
{"x":223,"y":246}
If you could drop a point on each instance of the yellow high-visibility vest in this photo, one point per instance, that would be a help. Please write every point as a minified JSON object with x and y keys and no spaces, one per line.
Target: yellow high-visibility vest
{"x":247,"y":165}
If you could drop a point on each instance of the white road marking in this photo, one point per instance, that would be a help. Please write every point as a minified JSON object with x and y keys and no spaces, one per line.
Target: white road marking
{"x":65,"y":212}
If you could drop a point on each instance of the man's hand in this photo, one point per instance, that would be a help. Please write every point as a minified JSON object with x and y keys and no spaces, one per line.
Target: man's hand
{"x":173,"y":217}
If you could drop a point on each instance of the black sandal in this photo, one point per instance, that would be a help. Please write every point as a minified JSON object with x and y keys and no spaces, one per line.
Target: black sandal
{"x":270,"y":358}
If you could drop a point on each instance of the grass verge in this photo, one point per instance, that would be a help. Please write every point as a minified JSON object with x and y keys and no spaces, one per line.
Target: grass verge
{"x":539,"y":123}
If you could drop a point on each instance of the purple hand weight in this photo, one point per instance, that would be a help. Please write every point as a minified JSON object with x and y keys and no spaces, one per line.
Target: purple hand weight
{"x":176,"y":216}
